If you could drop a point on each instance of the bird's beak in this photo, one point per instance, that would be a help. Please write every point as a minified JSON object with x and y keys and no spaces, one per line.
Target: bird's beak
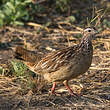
{"x":96,"y":32}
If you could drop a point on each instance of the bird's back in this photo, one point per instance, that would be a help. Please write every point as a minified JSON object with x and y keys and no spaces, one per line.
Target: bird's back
{"x":63,"y":64}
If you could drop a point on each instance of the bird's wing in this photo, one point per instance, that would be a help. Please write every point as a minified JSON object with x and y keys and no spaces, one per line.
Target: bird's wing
{"x":53,"y":61}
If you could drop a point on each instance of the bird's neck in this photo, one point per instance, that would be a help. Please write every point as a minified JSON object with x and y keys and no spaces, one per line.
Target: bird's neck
{"x":86,"y":43}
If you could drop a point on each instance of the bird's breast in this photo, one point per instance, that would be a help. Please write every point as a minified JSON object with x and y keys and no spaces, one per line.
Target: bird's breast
{"x":80,"y":64}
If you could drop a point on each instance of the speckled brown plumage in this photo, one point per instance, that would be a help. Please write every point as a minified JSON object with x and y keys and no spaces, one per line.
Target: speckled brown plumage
{"x":62,"y":65}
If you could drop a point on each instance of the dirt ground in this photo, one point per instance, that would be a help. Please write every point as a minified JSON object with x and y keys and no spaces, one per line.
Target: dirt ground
{"x":95,"y":94}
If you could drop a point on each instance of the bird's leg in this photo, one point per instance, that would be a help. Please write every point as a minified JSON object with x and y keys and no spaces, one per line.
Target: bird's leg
{"x":53,"y":88}
{"x":68,"y":88}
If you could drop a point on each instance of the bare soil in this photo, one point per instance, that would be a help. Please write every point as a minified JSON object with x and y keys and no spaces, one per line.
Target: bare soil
{"x":95,"y":93}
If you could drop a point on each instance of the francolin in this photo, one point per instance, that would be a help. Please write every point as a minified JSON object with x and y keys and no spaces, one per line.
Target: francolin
{"x":61,"y":65}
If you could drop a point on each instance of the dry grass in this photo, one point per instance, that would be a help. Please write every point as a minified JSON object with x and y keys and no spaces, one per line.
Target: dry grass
{"x":95,"y":83}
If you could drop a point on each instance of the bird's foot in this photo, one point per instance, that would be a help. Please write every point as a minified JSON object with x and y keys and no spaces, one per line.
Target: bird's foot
{"x":70,"y":90}
{"x":72,"y":93}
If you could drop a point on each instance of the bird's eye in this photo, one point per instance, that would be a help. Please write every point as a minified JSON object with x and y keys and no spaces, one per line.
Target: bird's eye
{"x":89,"y":30}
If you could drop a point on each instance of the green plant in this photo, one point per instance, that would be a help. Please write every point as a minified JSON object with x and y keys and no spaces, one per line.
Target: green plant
{"x":26,"y":78}
{"x":13,"y":11}
{"x":1,"y":70}
{"x":62,"y":5}
{"x":18,"y":68}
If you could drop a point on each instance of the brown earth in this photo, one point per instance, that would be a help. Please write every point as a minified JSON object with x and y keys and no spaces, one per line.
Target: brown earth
{"x":95,"y":83}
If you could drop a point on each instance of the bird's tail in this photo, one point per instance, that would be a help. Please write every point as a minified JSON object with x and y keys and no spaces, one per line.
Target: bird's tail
{"x":25,"y":55}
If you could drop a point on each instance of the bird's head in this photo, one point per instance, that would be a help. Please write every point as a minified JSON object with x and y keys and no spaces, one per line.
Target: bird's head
{"x":90,"y":32}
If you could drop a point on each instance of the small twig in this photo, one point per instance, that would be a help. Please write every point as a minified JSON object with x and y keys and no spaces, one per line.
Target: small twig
{"x":99,"y":68}
{"x":38,"y":25}
{"x":103,"y":52}
{"x":38,"y":1}
{"x":19,"y":30}
{"x":99,"y":16}
{"x":78,"y":28}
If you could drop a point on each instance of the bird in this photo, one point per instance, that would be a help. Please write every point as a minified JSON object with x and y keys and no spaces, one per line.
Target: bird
{"x":62,"y":65}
